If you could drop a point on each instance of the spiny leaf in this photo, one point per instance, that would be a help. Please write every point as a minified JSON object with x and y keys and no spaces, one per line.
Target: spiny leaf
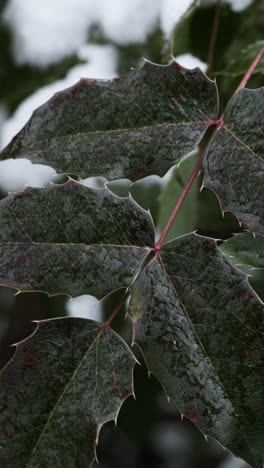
{"x":234,"y":161}
{"x":245,"y":249}
{"x":63,"y":383}
{"x":133,"y":126}
{"x":242,"y":62}
{"x":200,"y":327}
{"x":72,"y":239}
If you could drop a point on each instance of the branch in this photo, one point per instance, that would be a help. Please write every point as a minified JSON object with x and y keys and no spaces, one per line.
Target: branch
{"x":250,"y":71}
{"x":217,"y":124}
{"x":244,"y":81}
{"x":179,"y":203}
{"x":210,"y":59}
{"x":117,"y":309}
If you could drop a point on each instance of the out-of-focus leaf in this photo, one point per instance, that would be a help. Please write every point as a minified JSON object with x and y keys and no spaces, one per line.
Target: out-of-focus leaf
{"x":211,"y":221}
{"x":186,"y":220}
{"x":249,"y":25}
{"x":181,"y":31}
{"x":193,"y":34}
{"x":245,"y":249}
{"x":200,"y":327}
{"x":72,"y":239}
{"x":242,"y":62}
{"x":130,"y":127}
{"x":233,"y":164}
{"x":146,"y":192}
{"x":63,"y":383}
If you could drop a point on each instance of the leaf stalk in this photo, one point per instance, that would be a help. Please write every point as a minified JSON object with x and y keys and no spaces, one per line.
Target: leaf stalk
{"x":217,"y":124}
{"x":179,"y":203}
{"x":211,"y":52}
{"x":117,"y":309}
{"x":250,"y":71}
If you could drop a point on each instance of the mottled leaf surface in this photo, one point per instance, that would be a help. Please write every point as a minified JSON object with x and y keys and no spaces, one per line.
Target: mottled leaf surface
{"x":245,"y":249}
{"x":63,"y":383}
{"x":200,"y":327}
{"x":233,"y":164}
{"x":241,"y":64}
{"x":133,"y":126}
{"x":72,"y":239}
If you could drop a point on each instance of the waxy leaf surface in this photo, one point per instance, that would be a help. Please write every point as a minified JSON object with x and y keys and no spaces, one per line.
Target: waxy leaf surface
{"x":245,"y":249}
{"x":63,"y":383}
{"x":130,"y":127}
{"x":200,"y":327}
{"x":234,"y":163}
{"x":72,"y":239}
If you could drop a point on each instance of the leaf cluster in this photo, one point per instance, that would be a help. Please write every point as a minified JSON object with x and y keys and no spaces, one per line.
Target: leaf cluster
{"x":196,"y":319}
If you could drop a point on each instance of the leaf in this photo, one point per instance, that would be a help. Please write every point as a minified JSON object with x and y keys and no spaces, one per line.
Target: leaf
{"x":245,"y":249}
{"x":72,"y":239}
{"x":233,"y":163}
{"x":133,"y":126}
{"x":187,"y":218}
{"x":63,"y":383}
{"x":242,"y":62}
{"x":200,"y":327}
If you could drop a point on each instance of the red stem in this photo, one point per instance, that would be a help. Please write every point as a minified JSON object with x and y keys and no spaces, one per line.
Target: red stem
{"x":250,"y":70}
{"x":244,"y":80}
{"x":210,"y":59}
{"x":117,"y":309}
{"x":179,"y":204}
{"x":217,"y":124}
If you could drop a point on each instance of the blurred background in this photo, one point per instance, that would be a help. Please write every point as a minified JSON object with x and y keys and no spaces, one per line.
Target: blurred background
{"x":48,"y":46}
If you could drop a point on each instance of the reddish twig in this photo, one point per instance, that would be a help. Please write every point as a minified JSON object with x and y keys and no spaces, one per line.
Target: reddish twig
{"x":217,"y":124}
{"x":179,"y":204}
{"x":117,"y":309}
{"x":211,"y":52}
{"x":250,"y":70}
{"x":245,"y":79}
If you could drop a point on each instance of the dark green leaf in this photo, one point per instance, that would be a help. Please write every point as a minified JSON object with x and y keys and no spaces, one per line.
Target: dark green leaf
{"x":245,"y":249}
{"x":242,"y":62}
{"x":72,"y":239}
{"x":234,"y":161}
{"x":63,"y":383}
{"x":200,"y":327}
{"x":133,"y":126}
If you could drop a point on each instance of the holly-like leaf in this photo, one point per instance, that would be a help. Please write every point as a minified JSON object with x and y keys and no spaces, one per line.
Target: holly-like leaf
{"x":130,"y":127}
{"x":242,"y":62}
{"x":63,"y":383}
{"x":200,"y":327}
{"x":234,"y":161}
{"x":72,"y":239}
{"x":245,"y":249}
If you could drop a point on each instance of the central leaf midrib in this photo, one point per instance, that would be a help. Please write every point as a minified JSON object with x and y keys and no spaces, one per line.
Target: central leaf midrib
{"x":238,"y":140}
{"x":118,"y":130}
{"x":65,"y":389}
{"x":68,"y":244}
